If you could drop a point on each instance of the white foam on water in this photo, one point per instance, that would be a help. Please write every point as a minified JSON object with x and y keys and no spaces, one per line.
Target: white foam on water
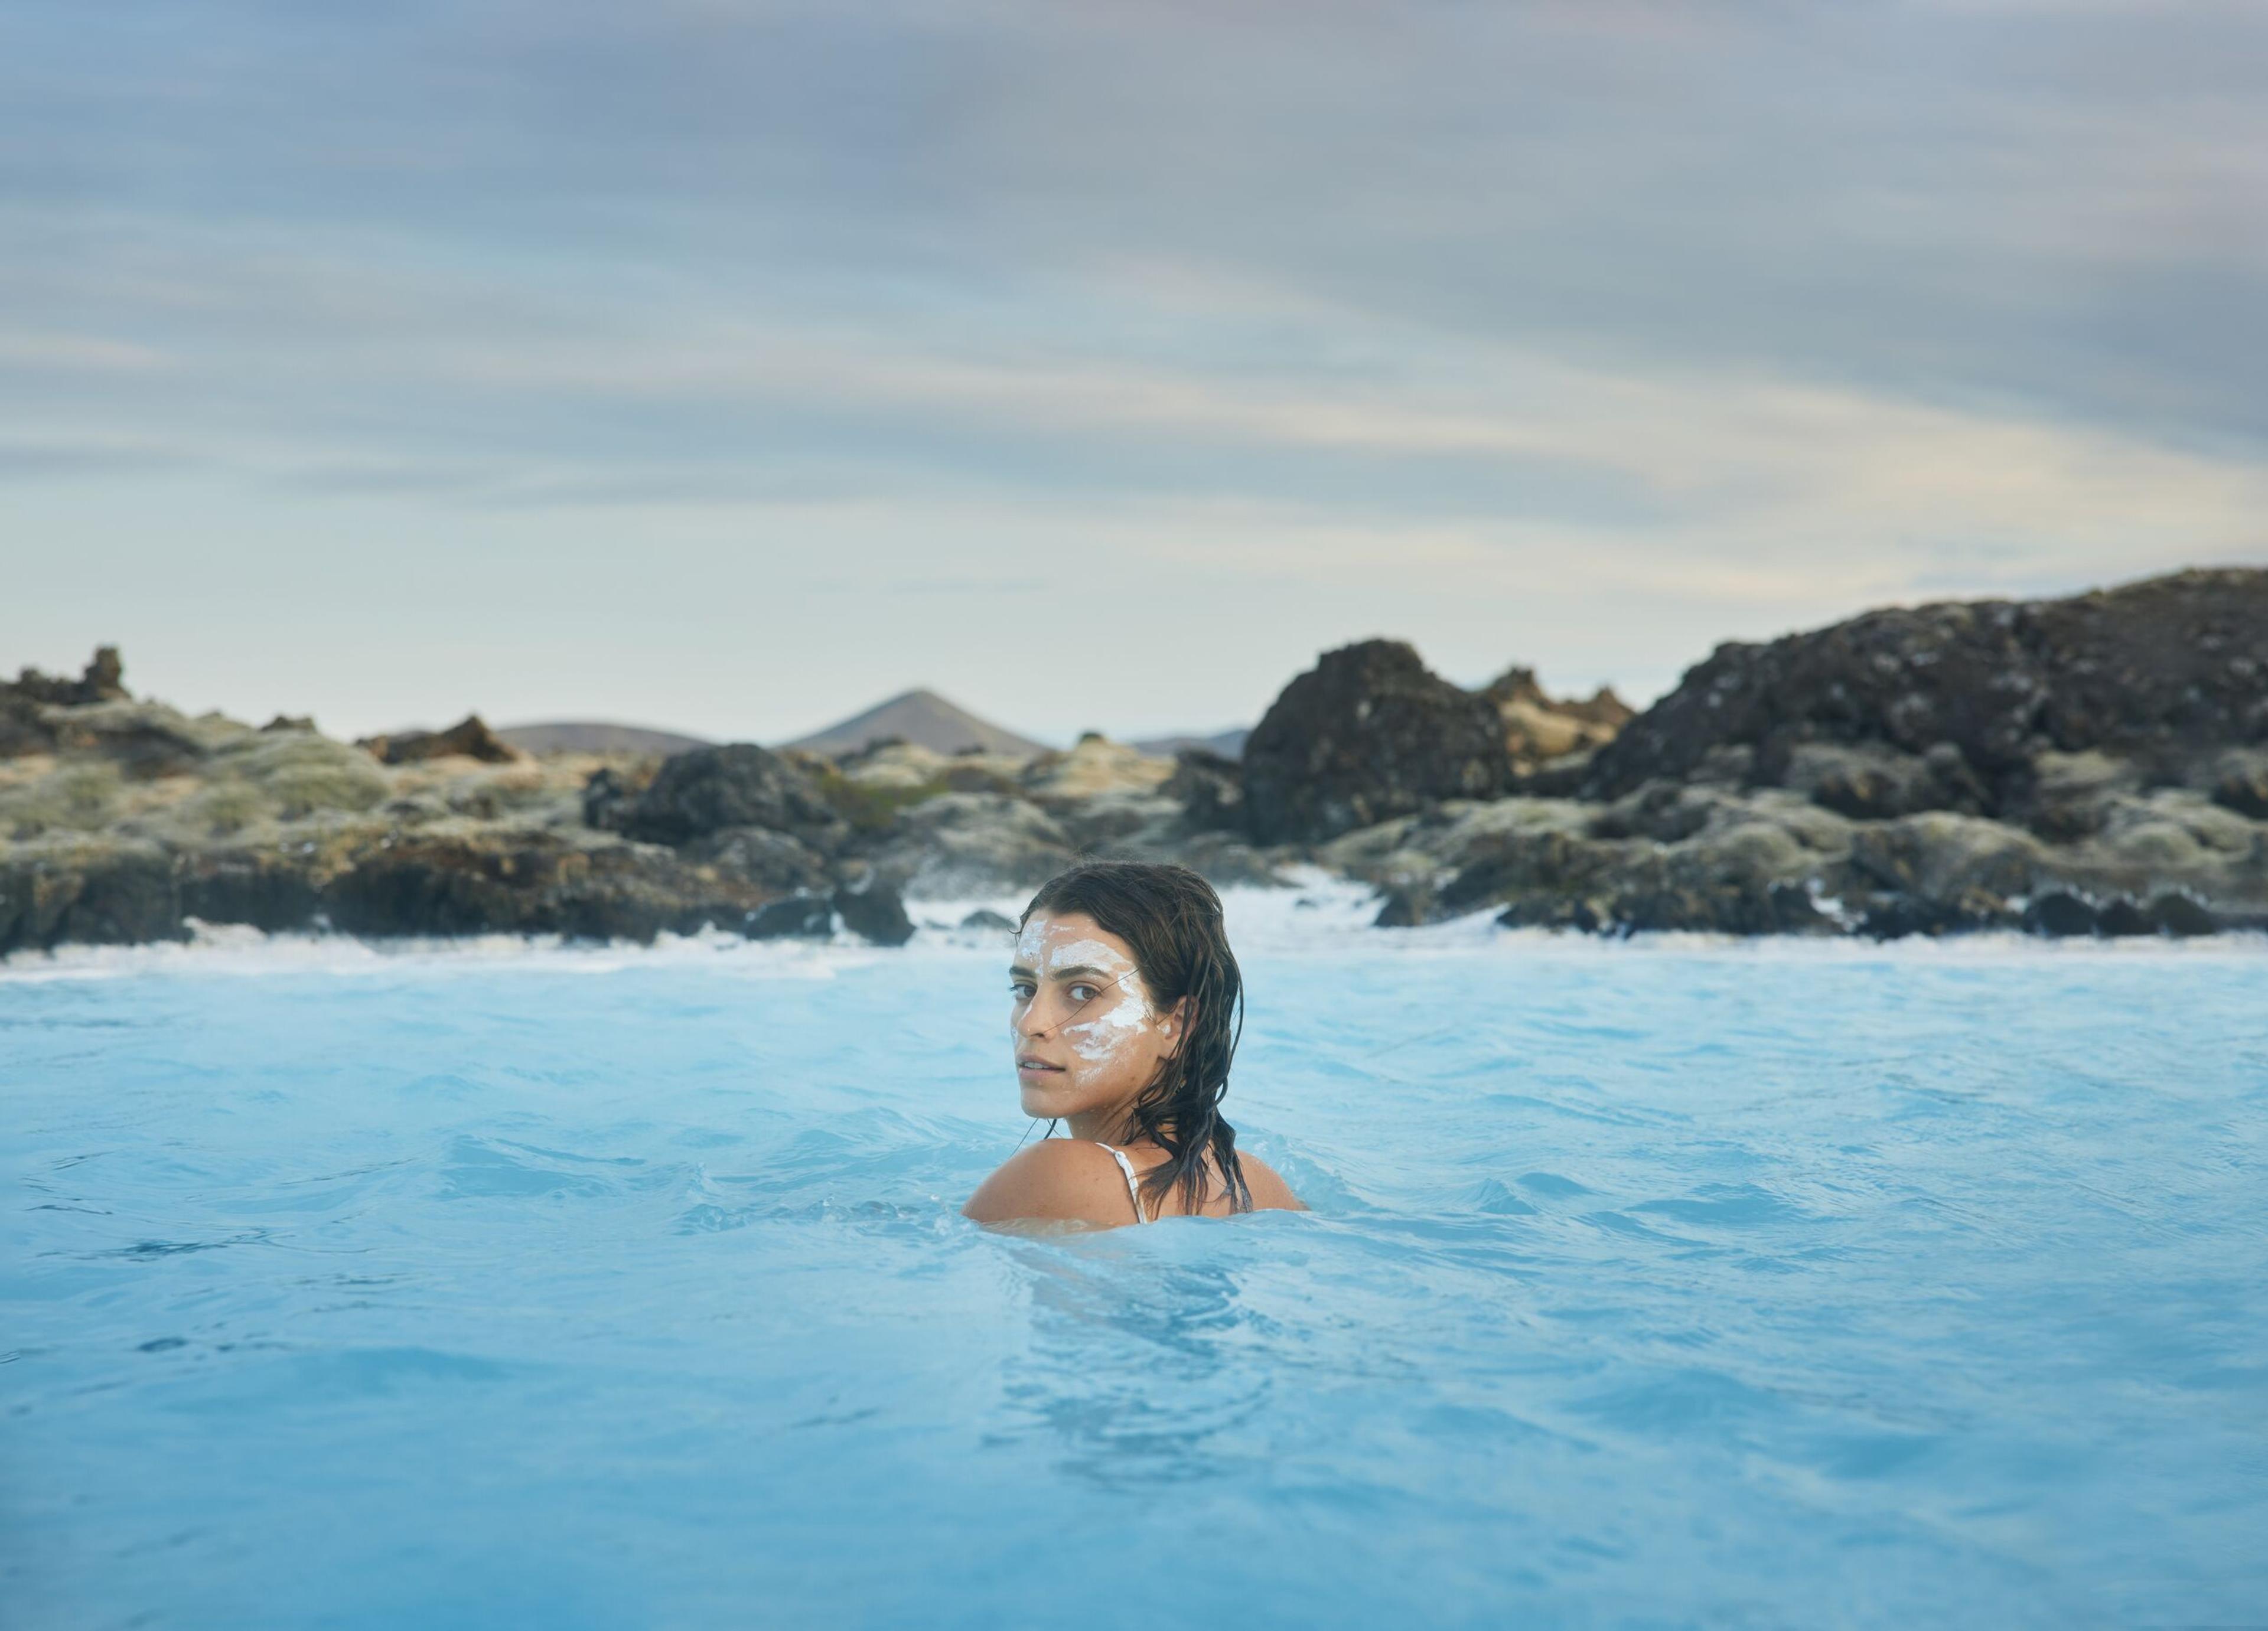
{"x":234,"y":949}
{"x":1317,"y":913}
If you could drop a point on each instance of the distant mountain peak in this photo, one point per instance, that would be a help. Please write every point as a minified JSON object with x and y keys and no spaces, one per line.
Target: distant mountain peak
{"x":923,"y":718}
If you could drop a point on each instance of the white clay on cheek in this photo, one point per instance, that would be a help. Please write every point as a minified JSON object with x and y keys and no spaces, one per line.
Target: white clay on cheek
{"x":1099,"y":1040}
{"x":1102,"y":1039}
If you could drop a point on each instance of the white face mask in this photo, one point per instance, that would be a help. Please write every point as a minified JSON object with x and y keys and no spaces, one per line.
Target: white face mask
{"x":1098,"y":1038}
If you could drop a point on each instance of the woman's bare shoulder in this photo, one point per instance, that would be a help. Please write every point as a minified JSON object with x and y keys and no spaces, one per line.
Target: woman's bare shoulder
{"x":1269,"y":1193}
{"x":1055,"y":1180}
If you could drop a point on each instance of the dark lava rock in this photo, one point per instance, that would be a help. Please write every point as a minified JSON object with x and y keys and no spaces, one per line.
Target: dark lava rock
{"x":518,"y":882}
{"x":1942,"y":859}
{"x":2182,"y":916}
{"x":1744,"y":908}
{"x":777,"y":863}
{"x":1884,"y":786}
{"x":1368,"y":733}
{"x":2157,"y":671}
{"x":1895,"y":916}
{"x":2061,"y":914}
{"x":799,"y":918}
{"x":532,"y":883}
{"x":23,"y":729}
{"x":1541,"y":862}
{"x":1601,"y":893}
{"x":264,"y":890}
{"x":1556,"y":912}
{"x":100,"y":896}
{"x":1661,"y":811}
{"x":697,"y":793}
{"x":875,"y":911}
{"x":607,"y":800}
{"x":1210,"y":787}
{"x":984,"y":918}
{"x":2245,"y":790}
{"x":1404,"y":908}
{"x":102,"y":681}
{"x":2122,"y":918}
{"x":129,"y":899}
{"x":1794,"y":911}
{"x":469,"y":737}
{"x":34,"y":897}
{"x":134,"y":894}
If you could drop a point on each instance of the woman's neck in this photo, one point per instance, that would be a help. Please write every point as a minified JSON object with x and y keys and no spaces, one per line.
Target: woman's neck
{"x":1102,"y":1127}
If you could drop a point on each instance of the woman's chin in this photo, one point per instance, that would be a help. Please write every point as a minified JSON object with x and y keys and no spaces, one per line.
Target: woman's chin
{"x":1040,"y":1104}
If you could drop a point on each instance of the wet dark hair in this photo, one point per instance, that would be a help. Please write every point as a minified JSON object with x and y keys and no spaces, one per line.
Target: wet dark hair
{"x":1170,"y":918}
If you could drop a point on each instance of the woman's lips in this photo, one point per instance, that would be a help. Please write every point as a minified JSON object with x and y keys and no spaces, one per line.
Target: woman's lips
{"x":1028,"y":1066}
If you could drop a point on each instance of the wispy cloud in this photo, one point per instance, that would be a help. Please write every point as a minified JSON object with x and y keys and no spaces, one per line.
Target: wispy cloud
{"x":36,"y":460}
{"x":1724,"y":315}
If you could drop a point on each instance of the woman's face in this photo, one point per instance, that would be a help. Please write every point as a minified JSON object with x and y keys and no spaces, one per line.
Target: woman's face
{"x":1086,"y":1037}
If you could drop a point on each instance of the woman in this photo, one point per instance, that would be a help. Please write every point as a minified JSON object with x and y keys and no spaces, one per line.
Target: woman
{"x":1126,"y":1008}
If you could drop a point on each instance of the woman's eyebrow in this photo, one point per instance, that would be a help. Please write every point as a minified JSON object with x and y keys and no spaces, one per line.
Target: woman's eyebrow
{"x":1077,"y":970}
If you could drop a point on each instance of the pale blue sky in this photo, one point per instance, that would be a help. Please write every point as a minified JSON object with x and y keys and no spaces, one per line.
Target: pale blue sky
{"x":731,"y":366}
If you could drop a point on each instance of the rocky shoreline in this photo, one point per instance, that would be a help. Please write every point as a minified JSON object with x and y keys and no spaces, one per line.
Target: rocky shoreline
{"x":2091,"y":766}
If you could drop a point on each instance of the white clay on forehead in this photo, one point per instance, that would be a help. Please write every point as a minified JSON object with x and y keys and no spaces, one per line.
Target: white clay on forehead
{"x":1064,"y":952}
{"x":1093,"y":953}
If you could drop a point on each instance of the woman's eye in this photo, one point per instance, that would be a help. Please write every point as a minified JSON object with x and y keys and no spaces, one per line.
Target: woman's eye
{"x":1084,"y":994}
{"x":1020,"y":990}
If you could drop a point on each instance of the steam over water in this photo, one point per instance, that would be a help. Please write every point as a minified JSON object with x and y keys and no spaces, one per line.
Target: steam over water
{"x":1646,"y":1284}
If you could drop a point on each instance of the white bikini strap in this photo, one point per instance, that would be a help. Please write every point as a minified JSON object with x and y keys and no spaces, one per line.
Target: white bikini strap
{"x":1133,"y":1189}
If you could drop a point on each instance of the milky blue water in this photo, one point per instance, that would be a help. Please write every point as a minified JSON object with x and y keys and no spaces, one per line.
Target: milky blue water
{"x":1644,"y":1286}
